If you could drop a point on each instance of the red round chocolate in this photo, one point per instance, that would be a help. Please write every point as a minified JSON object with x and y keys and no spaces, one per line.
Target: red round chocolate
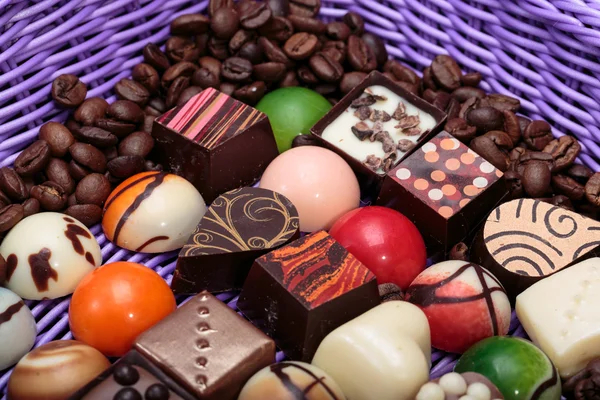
{"x":385,"y":241}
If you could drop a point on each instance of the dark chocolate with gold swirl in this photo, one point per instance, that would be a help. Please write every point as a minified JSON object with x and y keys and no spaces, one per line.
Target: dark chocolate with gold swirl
{"x":525,"y":240}
{"x":299,"y":293}
{"x":238,"y":227}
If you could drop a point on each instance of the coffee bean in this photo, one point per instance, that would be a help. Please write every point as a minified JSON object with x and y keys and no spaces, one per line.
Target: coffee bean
{"x":428,"y":81}
{"x":532,"y":157}
{"x":453,"y":108}
{"x":150,"y":165}
{"x":523,"y":123}
{"x":51,"y":196}
{"x":148,"y":123}
{"x":446,"y":72}
{"x":334,"y":54}
{"x":269,"y":72}
{"x":155,"y":57}
{"x":97,"y":136}
{"x":580,"y":173}
{"x":253,"y":15}
{"x":180,"y":49}
{"x":511,"y":126}
{"x":146,"y":75}
{"x":305,"y":8}
{"x":228,"y":88}
{"x":441,"y":100}
{"x":127,"y":111}
{"x":204,"y":78}
{"x":118,"y":128}
{"x":300,"y":46}
{"x":184,"y":97}
{"x":501,"y":139}
{"x":536,"y":179}
{"x":136,"y":144}
{"x":274,"y":52}
{"x":485,"y":119}
{"x":189,"y":25}
{"x":514,"y":184}
{"x":114,"y":181}
{"x":90,"y":110}
{"x":30,"y":207}
{"x":290,"y":79}
{"x":158,"y":104}
{"x":68,"y":91}
{"x":486,"y":148}
{"x":337,"y":30}
{"x":78,"y":171}
{"x":214,"y":5}
{"x":33,"y":159}
{"x":564,"y":151}
{"x":355,"y":22}
{"x":472,"y":79}
{"x":252,"y":52}
{"x":350,"y":80}
{"x":225,"y":23}
{"x":152,"y":111}
{"x":88,"y":156}
{"x":110,"y":152}
{"x":236,"y":69}
{"x":401,"y":72}
{"x":325,"y":68}
{"x":326,"y":89}
{"x":239,"y":39}
{"x":464,"y":93}
{"x":307,"y":76}
{"x":10,"y":216}
{"x":93,"y":189}
{"x":125,"y":166}
{"x":459,"y":128}
{"x":181,"y":69}
{"x":12,"y":185}
{"x":377,"y":46}
{"x":58,"y":171}
{"x":175,"y":89}
{"x":279,"y":29}
{"x":309,"y":25}
{"x":592,"y":189}
{"x":428,"y":94}
{"x":459,"y":251}
{"x":127,"y":89}
{"x":218,"y":48}
{"x":58,"y":137}
{"x":569,"y":187}
{"x":360,"y":56}
{"x":4,"y":200}
{"x":71,"y":200}
{"x":304,"y":140}
{"x":252,"y":93}
{"x":279,"y":8}
{"x":538,"y":134}
{"x":562,"y":201}
{"x":503,"y":103}
{"x":87,"y":214}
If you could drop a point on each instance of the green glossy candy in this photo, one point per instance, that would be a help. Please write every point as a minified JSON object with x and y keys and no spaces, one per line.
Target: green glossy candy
{"x":516,"y":366}
{"x":292,"y":111}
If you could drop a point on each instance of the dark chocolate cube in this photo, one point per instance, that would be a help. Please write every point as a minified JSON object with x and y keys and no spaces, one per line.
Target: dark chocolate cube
{"x":215,"y":142}
{"x":430,"y":122}
{"x":445,"y":188}
{"x":301,"y":292}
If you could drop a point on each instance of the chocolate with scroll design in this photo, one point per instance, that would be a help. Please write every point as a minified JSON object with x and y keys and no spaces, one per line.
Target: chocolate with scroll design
{"x":238,"y":227}
{"x":525,"y":240}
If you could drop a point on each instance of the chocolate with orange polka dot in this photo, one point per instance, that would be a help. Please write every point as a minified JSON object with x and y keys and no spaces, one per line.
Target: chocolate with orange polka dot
{"x":445,"y":188}
{"x":299,"y":293}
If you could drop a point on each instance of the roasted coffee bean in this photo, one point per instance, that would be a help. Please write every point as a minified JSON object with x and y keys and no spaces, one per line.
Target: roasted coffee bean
{"x":30,"y":207}
{"x":485,"y":119}
{"x":87,"y":214}
{"x":337,"y":30}
{"x":562,"y":201}
{"x":150,"y":165}
{"x":453,"y":108}
{"x":51,"y":196}
{"x":459,"y":251}
{"x":155,"y":57}
{"x":58,"y":137}
{"x":325,"y":68}
{"x":118,"y":128}
{"x":306,"y":24}
{"x":538,"y":134}
{"x":511,"y":126}
{"x":90,"y":110}
{"x":127,"y":89}
{"x":523,"y":123}
{"x":377,"y":46}
{"x":252,"y":52}
{"x":269,"y":72}
{"x":533,"y":157}
{"x":334,"y":54}
{"x":181,"y":69}
{"x":58,"y":171}
{"x":351,"y":80}
{"x":236,"y":69}
{"x":180,"y":49}
{"x":4,"y":200}
{"x":516,"y":153}
{"x":10,"y":216}
{"x":128,"y":111}
{"x":214,"y":5}
{"x":158,"y":104}
{"x":428,"y":94}
{"x":184,"y":97}
{"x":501,"y":139}
{"x":253,"y":15}
{"x":136,"y":144}
{"x":202,"y":43}
{"x":279,"y":29}
{"x":147,"y":75}
{"x":252,"y":93}
{"x":464,"y":93}
{"x":290,"y":79}
{"x":110,"y":152}
{"x":148,"y":123}
{"x":355,"y":22}
{"x":33,"y":159}
{"x":114,"y":181}
{"x":503,"y":103}
{"x":68,"y":91}
{"x":77,"y":171}
{"x":401,"y":72}
{"x":486,"y":148}
{"x":12,"y":185}
{"x":97,"y":137}
{"x":307,"y":76}
{"x":88,"y":156}
{"x":225,"y":23}
{"x":564,"y":151}
{"x":274,"y":52}
{"x":514,"y":184}
{"x":204,"y":78}
{"x":459,"y":128}
{"x":211,"y":64}
{"x":326,"y":89}
{"x":592,"y":189}
{"x":428,"y":81}
{"x":304,"y":140}
{"x":279,"y":8}
{"x":468,"y":106}
{"x":472,"y":79}
{"x":580,"y":173}
{"x":305,"y":8}
{"x":228,"y":88}
{"x":189,"y":25}
{"x":175,"y":89}
{"x":125,"y":166}
{"x":446,"y":73}
{"x":569,"y":187}
{"x":300,"y":46}
{"x":360,"y":56}
{"x":93,"y":189}
{"x":441,"y":100}
{"x":536,"y":179}
{"x":239,"y":39}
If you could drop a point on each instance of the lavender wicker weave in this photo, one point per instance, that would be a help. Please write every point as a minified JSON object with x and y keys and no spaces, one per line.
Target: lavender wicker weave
{"x":546,"y":52}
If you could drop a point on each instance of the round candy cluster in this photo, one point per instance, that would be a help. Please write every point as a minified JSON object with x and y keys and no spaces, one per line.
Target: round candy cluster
{"x":453,"y":386}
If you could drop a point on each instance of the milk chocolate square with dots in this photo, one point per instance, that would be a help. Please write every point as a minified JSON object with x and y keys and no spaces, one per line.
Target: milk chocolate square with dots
{"x":299,"y":293}
{"x":445,"y":188}
{"x":207,"y":348}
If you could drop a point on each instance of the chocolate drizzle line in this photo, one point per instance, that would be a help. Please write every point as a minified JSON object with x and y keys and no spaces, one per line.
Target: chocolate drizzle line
{"x":11,"y":264}
{"x":41,"y":270}
{"x":297,"y":392}
{"x":158,"y":180}
{"x":425,"y":295}
{"x":72,"y":233}
{"x":10,"y":311}
{"x":132,"y":184}
{"x":150,"y":241}
{"x":547,"y":384}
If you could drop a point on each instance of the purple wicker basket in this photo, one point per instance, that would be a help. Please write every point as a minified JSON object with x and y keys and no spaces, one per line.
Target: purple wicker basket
{"x":546,"y":52}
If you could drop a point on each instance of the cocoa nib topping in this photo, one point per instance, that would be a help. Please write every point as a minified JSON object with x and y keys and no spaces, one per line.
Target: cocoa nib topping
{"x":376,"y":96}
{"x":368,"y":100}
{"x":362,"y":131}
{"x":408,"y":122}
{"x":363,"y":112}
{"x":373,"y":162}
{"x":388,"y":163}
{"x":412,"y":132}
{"x":405,"y":145}
{"x":400,"y":112}
{"x":379,"y":115}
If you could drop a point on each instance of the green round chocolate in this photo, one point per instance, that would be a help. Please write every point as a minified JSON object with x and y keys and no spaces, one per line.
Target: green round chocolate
{"x":516,"y":366}
{"x":292,"y":111}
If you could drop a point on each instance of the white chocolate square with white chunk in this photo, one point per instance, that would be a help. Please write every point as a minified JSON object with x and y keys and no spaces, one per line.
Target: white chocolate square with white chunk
{"x":561,"y":315}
